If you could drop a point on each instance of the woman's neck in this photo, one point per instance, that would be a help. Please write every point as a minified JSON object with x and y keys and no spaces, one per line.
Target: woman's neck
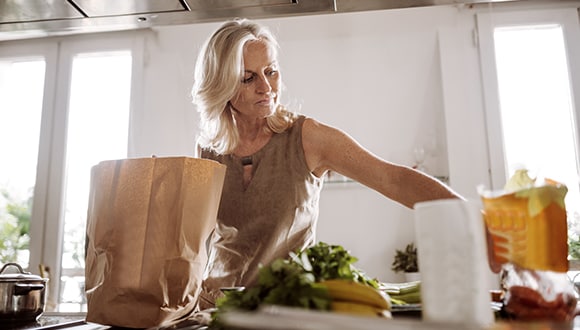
{"x":253,"y":136}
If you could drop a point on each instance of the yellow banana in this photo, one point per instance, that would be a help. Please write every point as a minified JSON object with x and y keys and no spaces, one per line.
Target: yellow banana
{"x":345,"y":290}
{"x":353,"y":308}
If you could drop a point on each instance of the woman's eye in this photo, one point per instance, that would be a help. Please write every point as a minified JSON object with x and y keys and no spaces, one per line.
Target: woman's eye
{"x":252,"y":77}
{"x":247,"y":80}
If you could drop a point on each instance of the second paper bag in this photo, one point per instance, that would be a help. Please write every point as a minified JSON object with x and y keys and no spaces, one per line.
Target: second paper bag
{"x":148,"y":221}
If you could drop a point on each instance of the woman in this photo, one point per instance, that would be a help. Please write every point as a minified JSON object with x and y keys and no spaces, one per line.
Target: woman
{"x":275,"y":159}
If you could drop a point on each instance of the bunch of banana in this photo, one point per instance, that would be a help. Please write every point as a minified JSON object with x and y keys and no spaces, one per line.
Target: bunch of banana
{"x":355,"y":298}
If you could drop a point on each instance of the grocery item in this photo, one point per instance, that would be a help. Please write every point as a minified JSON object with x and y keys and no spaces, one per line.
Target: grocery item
{"x":403,"y":293}
{"x":345,"y":290}
{"x":321,"y":278}
{"x":147,"y":223}
{"x":526,"y":224}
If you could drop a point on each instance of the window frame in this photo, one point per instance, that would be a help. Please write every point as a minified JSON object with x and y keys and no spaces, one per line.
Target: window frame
{"x":486,"y":22}
{"x":47,"y":218}
{"x":48,"y":51}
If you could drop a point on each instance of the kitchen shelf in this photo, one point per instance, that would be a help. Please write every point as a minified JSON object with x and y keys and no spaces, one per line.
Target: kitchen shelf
{"x":340,"y":180}
{"x":341,"y":184}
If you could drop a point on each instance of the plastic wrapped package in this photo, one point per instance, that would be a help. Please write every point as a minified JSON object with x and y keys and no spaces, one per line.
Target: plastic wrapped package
{"x":532,"y":295}
{"x":527,"y":238}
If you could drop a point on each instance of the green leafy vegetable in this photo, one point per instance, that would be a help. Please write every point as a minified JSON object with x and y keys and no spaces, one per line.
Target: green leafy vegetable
{"x":294,"y":281}
{"x":332,"y":262}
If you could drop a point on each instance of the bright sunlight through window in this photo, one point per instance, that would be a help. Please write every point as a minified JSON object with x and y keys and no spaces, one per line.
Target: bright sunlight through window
{"x":98,"y":126}
{"x":21,"y":95}
{"x":536,"y":107}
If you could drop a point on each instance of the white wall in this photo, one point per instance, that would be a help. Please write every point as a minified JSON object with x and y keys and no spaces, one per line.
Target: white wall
{"x":392,"y":79}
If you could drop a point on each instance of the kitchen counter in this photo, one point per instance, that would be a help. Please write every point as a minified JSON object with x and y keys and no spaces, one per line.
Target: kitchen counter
{"x":294,"y":319}
{"x":76,"y":321}
{"x":289,"y":319}
{"x":47,"y":321}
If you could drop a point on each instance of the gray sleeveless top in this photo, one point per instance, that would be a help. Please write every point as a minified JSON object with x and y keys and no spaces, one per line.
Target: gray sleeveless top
{"x":274,"y":215}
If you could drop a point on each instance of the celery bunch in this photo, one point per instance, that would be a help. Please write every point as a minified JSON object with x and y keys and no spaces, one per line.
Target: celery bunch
{"x":403,"y":293}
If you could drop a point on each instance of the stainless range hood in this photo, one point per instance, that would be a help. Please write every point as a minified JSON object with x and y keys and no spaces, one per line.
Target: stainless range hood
{"x":20,"y":19}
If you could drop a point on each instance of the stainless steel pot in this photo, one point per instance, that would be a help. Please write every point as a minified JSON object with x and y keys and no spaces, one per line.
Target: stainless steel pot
{"x":22,"y":295}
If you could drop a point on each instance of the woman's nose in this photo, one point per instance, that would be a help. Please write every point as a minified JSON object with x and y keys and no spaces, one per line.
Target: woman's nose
{"x":263,"y":85}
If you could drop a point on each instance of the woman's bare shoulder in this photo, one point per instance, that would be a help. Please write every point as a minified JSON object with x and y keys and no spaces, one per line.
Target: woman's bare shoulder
{"x":323,"y":144}
{"x":313,"y":142}
{"x":316,"y":131}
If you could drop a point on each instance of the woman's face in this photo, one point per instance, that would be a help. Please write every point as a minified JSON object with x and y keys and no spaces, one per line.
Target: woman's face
{"x":258,"y":94}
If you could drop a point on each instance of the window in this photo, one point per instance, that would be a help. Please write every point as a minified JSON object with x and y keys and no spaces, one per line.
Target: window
{"x":527,"y":66}
{"x":536,"y":107}
{"x":98,"y":126}
{"x":531,"y":89}
{"x":21,"y":90}
{"x":81,"y":117}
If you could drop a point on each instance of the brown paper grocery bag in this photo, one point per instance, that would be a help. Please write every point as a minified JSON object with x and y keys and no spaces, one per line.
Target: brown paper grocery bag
{"x":148,"y":221}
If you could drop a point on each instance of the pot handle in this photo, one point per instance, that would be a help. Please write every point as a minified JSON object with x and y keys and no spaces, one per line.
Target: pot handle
{"x":14,"y":265}
{"x":24,"y":289}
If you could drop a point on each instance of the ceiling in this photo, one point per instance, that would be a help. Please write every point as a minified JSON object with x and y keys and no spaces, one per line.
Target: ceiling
{"x":21,"y":19}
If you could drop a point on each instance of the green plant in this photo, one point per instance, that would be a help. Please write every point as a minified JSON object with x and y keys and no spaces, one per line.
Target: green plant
{"x":14,"y":226}
{"x":574,"y":237}
{"x":574,"y":248}
{"x":406,"y":260}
